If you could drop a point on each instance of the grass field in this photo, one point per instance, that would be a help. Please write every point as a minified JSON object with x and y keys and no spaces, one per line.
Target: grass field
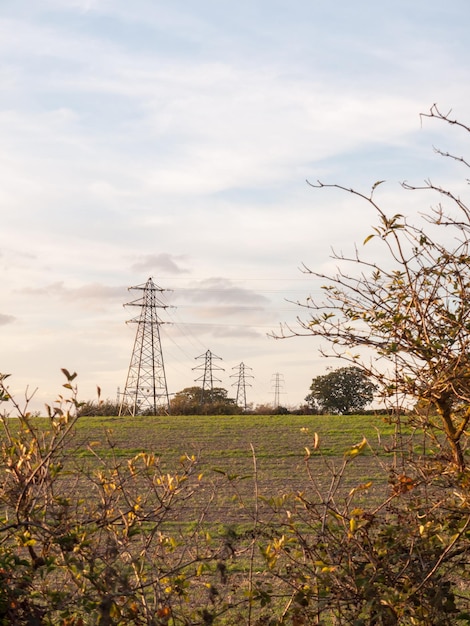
{"x":269,"y":530}
{"x":225,"y":446}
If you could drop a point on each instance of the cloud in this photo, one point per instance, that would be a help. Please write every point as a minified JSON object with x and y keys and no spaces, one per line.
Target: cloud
{"x":218,"y":331}
{"x":90,"y":293}
{"x":128,"y":130}
{"x":6,"y":319}
{"x":163,"y":262}
{"x":215,"y":124}
{"x":222,"y":291}
{"x":218,"y":309}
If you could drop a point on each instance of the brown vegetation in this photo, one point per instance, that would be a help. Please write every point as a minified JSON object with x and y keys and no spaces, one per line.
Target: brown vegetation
{"x":93,"y":536}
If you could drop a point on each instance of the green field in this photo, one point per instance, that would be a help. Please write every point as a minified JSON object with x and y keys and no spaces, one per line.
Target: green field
{"x":218,"y":519}
{"x":268,"y":450}
{"x":231,"y":437}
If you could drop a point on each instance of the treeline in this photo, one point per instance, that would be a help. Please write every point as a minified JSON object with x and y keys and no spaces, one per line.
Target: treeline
{"x":343,"y":391}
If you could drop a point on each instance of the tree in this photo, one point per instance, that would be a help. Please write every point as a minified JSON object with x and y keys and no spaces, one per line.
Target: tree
{"x":214,"y":402}
{"x":412,"y":310}
{"x":345,"y":390}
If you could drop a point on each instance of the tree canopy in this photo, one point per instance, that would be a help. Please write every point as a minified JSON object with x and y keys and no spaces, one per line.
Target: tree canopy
{"x":345,"y":390}
{"x":196,"y":401}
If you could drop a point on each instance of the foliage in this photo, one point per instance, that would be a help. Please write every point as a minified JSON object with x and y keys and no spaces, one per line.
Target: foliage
{"x":345,"y":390}
{"x":397,"y":560}
{"x":92,"y":408}
{"x":88,"y":542}
{"x":102,"y":539}
{"x":196,"y":401}
{"x":269,"y":409}
{"x":412,"y":310}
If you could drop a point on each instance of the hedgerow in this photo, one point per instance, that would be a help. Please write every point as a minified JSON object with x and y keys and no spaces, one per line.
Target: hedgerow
{"x":102,"y":539}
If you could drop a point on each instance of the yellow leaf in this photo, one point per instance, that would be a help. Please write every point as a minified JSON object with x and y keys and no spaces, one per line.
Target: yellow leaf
{"x":357,"y":449}
{"x":363,"y":486}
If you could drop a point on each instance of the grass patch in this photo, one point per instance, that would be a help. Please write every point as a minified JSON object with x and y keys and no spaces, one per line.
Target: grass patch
{"x":224,"y":448}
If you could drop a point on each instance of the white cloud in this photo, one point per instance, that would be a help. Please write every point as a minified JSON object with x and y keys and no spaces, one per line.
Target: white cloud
{"x":6,"y":319}
{"x":175,"y":140}
{"x":163,"y":262}
{"x":84,"y":293}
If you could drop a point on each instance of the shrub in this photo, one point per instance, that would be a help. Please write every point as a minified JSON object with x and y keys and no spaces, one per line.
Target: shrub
{"x":90,"y":538}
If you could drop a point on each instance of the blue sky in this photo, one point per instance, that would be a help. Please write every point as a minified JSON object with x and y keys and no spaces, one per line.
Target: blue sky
{"x":173,"y":140}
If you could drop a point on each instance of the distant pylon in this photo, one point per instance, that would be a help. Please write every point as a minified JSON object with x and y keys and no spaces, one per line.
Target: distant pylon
{"x":241,"y":384}
{"x":146,"y":389}
{"x":208,"y":379}
{"x":278,"y":381}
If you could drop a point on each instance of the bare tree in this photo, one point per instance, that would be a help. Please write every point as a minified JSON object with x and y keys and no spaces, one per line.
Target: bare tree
{"x":412,"y":310}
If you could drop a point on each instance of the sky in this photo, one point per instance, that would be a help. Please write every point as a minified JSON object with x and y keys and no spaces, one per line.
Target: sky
{"x":174,"y":140}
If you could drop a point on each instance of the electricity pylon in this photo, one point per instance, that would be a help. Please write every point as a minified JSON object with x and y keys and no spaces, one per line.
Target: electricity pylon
{"x":241,"y":384}
{"x":278,"y":382}
{"x":146,"y":389}
{"x":208,"y":379}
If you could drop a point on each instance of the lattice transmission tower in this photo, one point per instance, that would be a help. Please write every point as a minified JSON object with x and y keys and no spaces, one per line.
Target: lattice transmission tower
{"x":278,"y":383}
{"x":146,"y":389}
{"x":208,"y":379}
{"x":241,"y":383}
